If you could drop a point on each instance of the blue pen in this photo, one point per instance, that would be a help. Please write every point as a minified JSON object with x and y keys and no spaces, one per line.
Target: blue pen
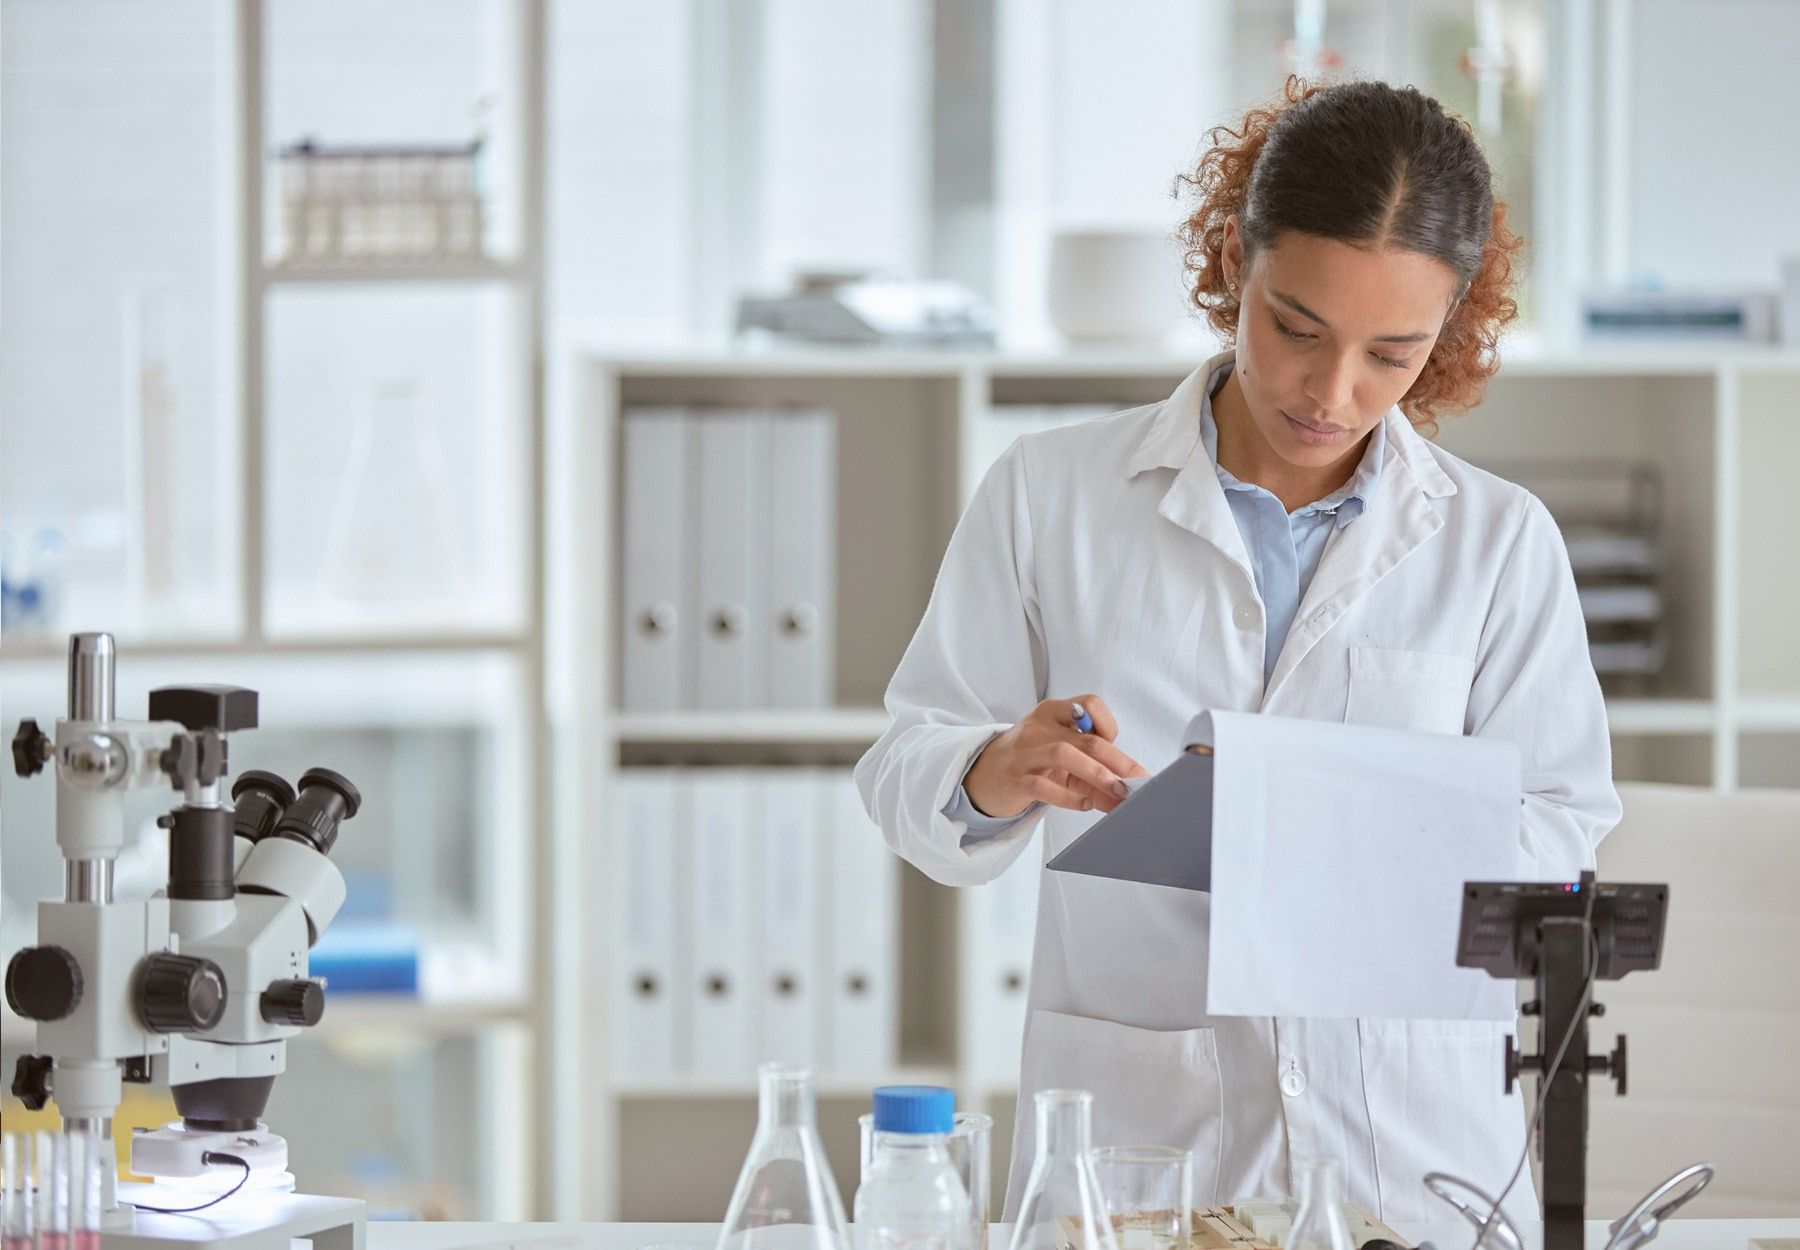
{"x":1083,"y":721}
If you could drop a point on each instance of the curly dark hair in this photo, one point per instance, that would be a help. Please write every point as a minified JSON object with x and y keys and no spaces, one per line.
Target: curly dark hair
{"x":1373,"y":165}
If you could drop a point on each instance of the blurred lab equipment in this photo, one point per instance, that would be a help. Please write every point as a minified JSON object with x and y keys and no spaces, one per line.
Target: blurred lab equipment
{"x":1149,"y":1191}
{"x":1320,"y":1225}
{"x":351,"y":205}
{"x":785,"y":1197}
{"x":1063,"y":1206}
{"x":1652,"y":314}
{"x":970,"y":1147}
{"x":394,"y":532}
{"x":1115,"y":287}
{"x":911,"y":1197}
{"x":861,"y":308}
{"x":199,"y":987}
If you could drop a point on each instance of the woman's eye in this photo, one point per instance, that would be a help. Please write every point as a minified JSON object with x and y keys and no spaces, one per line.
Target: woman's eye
{"x":1292,"y":333}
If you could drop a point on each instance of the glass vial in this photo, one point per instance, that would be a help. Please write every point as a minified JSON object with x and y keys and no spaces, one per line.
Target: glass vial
{"x":785,"y":1198}
{"x":1320,"y":1225}
{"x":1063,"y":1208}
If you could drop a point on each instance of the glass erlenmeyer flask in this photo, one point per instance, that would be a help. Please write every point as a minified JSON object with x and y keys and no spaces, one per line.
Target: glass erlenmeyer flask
{"x":785,"y":1198}
{"x":1063,"y":1206}
{"x":1320,"y":1225}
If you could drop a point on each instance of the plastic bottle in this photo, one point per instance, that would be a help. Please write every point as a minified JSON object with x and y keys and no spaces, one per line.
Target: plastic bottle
{"x":912,"y":1197}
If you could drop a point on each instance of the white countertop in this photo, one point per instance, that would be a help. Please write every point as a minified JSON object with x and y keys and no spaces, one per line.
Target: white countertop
{"x":1676,"y":1235}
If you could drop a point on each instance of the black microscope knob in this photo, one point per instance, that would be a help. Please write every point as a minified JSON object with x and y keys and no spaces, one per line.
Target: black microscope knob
{"x":43,"y":983}
{"x":31,"y":749}
{"x":31,"y":1080}
{"x":179,"y":993}
{"x":297,"y":1003}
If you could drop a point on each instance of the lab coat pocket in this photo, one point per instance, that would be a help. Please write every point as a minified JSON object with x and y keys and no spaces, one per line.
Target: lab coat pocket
{"x":1435,"y":1104}
{"x":1417,"y":690}
{"x":1150,"y":1086}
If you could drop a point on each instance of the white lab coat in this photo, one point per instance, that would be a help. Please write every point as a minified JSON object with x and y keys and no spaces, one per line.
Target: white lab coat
{"x":1103,"y":557}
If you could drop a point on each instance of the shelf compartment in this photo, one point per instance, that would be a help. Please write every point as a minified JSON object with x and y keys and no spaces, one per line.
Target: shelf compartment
{"x":1768,"y":585}
{"x":396,"y":476}
{"x":1680,"y":759}
{"x":1770,"y":759}
{"x":896,"y":439}
{"x":1667,"y":421}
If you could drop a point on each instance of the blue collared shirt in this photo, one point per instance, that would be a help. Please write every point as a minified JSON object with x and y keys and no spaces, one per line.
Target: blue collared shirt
{"x":1284,"y":547}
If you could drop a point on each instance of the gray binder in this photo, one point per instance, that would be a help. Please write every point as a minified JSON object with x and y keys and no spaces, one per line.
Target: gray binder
{"x":1161,"y":835}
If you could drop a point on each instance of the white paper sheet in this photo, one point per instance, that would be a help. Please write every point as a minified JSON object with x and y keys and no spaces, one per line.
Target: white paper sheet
{"x":1339,"y":853}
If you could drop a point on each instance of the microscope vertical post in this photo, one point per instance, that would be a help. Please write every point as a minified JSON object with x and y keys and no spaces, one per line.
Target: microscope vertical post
{"x":1562,"y":990}
{"x":89,"y":878}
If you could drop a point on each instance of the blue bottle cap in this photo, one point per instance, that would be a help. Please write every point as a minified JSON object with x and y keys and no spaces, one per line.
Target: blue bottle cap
{"x":914,"y":1109}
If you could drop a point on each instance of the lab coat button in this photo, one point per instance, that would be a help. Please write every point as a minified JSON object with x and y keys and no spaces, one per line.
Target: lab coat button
{"x":1245,"y":616}
{"x":1293,"y":1082}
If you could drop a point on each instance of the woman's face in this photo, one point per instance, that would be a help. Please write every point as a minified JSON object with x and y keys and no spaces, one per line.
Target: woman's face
{"x":1330,"y":336}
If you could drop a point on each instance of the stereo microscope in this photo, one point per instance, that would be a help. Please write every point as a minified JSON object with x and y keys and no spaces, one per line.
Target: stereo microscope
{"x":198,"y":987}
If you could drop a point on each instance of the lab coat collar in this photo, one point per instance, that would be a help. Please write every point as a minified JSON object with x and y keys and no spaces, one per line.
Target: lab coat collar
{"x":1174,"y":435}
{"x":1400,"y":519}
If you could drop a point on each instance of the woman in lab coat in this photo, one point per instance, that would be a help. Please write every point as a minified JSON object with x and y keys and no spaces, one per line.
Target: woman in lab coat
{"x":1277,"y":535}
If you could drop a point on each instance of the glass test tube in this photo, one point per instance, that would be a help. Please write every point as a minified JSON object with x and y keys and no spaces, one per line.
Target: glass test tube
{"x":53,"y":1187}
{"x":87,"y":1188}
{"x":15,"y":1192}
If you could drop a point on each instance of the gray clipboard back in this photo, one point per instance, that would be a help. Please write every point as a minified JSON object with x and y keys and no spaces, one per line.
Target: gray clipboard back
{"x":1161,"y":835}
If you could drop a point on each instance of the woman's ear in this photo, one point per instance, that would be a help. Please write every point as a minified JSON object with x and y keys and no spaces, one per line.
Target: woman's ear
{"x":1231,"y":256}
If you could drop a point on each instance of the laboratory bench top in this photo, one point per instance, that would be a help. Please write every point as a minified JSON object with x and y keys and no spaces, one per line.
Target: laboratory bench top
{"x":1676,"y":1235}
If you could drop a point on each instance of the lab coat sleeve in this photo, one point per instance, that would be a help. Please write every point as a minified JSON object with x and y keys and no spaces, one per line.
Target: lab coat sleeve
{"x":1535,"y":686}
{"x":975,"y":666}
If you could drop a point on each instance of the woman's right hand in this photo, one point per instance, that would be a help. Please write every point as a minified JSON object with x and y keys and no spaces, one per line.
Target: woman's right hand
{"x":1045,"y":759}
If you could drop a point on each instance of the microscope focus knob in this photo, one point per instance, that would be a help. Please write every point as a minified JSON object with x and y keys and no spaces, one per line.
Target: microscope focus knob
{"x":31,"y":1081}
{"x":179,"y":993}
{"x":300,"y":1004}
{"x":31,"y":748}
{"x":43,"y":983}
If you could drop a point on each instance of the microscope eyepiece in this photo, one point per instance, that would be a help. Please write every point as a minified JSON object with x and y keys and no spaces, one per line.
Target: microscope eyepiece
{"x":326,"y":798}
{"x":259,"y":798}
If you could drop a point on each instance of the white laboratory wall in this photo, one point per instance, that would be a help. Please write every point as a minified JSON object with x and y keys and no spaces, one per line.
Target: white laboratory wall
{"x":620,"y":179}
{"x":116,"y":308}
{"x":845,"y":112}
{"x":1708,"y":192}
{"x":1098,"y":108}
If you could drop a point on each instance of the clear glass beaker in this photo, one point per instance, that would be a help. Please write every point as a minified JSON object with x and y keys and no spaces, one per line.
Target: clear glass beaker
{"x":785,"y":1198}
{"x":971,"y":1150}
{"x":1148,"y":1190}
{"x":1063,"y":1207}
{"x":1320,"y":1225}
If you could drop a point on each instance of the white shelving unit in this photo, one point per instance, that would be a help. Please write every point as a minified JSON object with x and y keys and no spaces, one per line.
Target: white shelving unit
{"x":1715,"y":422}
{"x":495,"y":1023}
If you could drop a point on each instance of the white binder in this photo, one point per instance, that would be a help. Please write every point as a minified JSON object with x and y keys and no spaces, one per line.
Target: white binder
{"x":802,"y":553}
{"x":1004,"y":930}
{"x":862,"y":1009}
{"x":645,"y":1003}
{"x":655,"y":607}
{"x":791,"y":895}
{"x":724,"y":965}
{"x":731,"y":545}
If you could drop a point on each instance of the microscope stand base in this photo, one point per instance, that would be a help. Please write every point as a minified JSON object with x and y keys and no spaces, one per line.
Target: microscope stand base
{"x":264,"y":1221}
